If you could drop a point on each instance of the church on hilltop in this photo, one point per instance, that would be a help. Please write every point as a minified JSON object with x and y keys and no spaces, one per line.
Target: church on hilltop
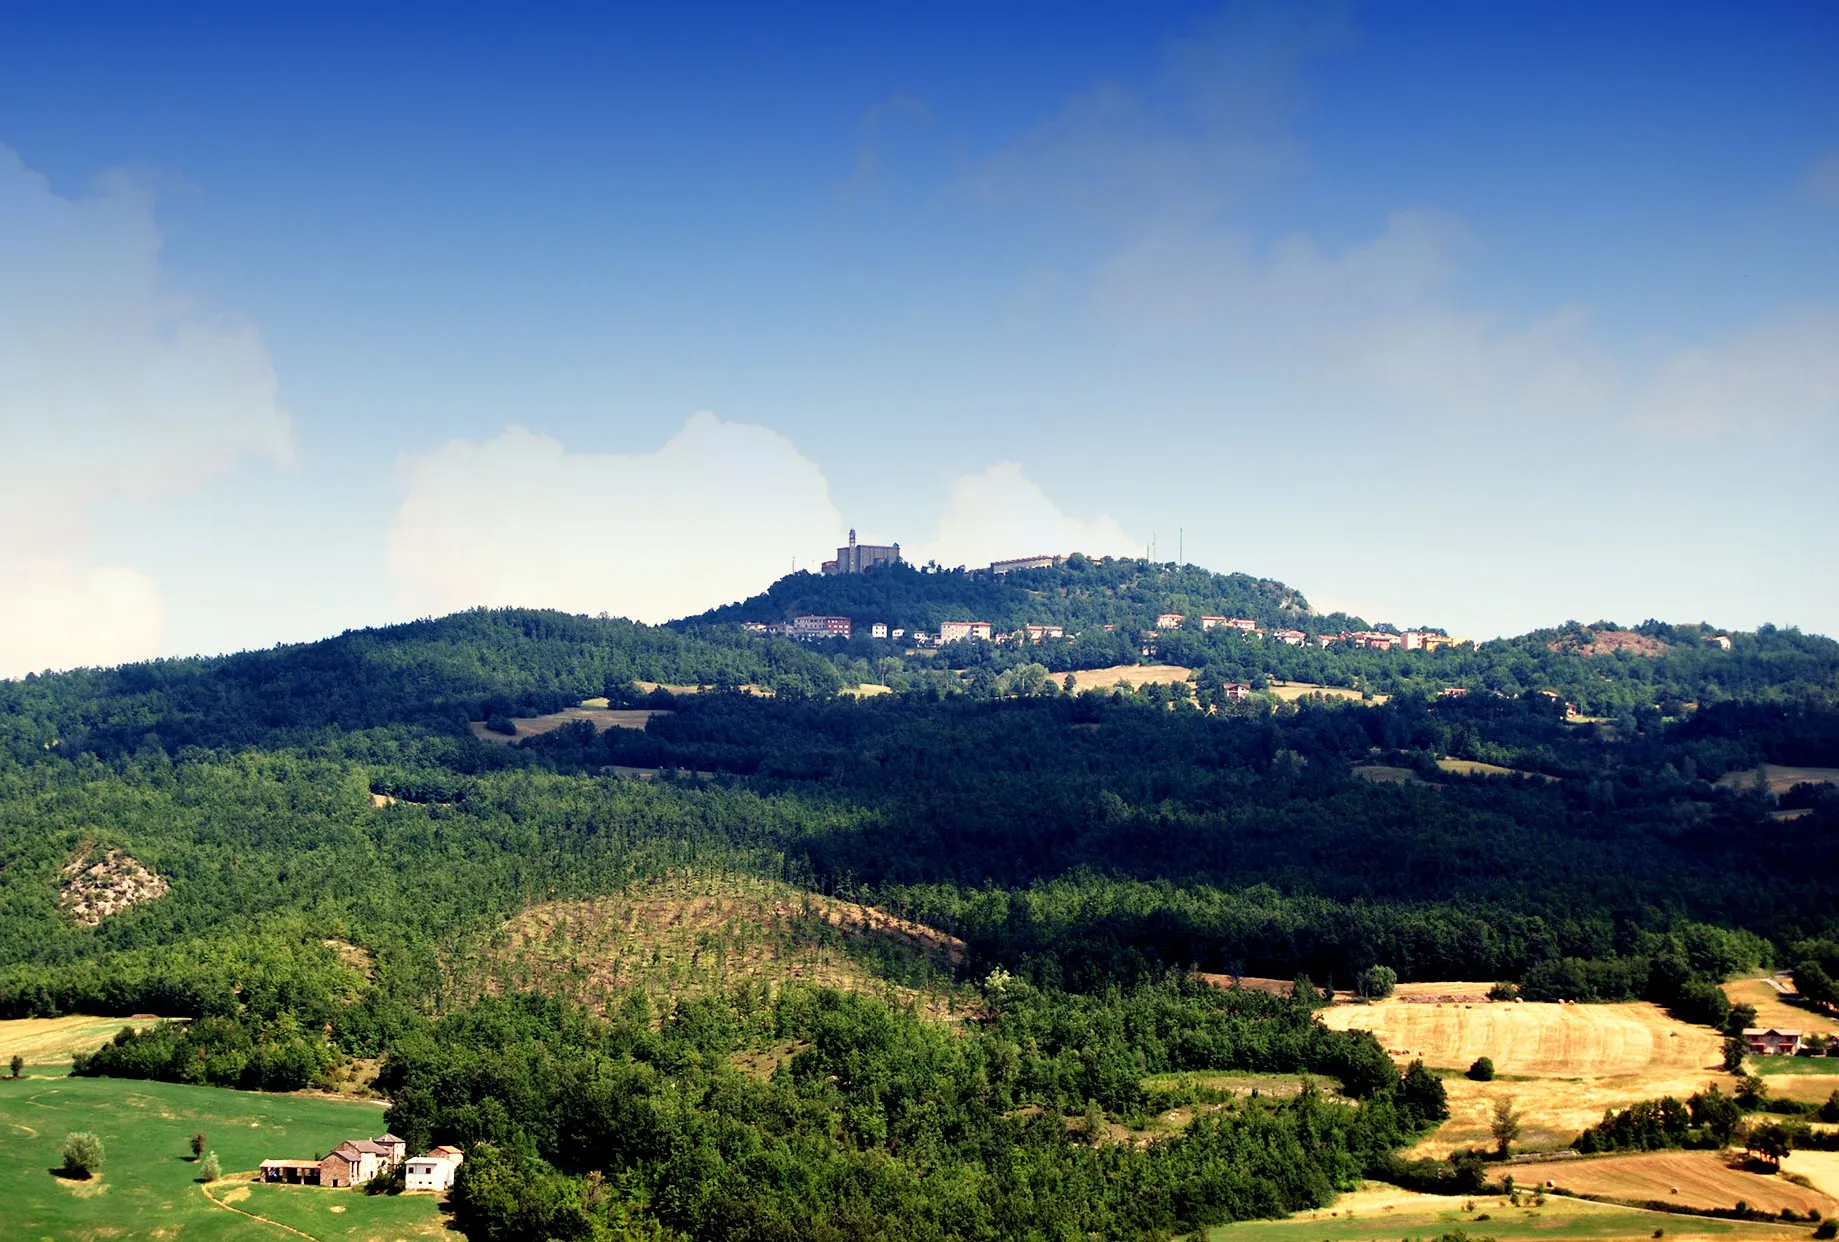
{"x":856,"y":557}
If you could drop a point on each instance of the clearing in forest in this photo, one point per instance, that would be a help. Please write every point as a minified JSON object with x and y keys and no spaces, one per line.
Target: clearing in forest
{"x":48,"y":1042}
{"x":602,"y":718}
{"x":1290,"y":691}
{"x":1778,"y":778}
{"x":695,"y":935}
{"x":1562,"y":1064}
{"x":1475,"y":767}
{"x":1380,"y":1213}
{"x":1693,"y":1179}
{"x":1133,"y":674}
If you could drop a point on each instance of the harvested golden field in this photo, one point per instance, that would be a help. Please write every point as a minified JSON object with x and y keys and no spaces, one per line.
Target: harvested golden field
{"x":1290,"y":691}
{"x":1135,"y":674}
{"x":1807,"y":1088}
{"x":1778,"y":778}
{"x":1531,"y":1039}
{"x":1554,"y":1111}
{"x":50,"y":1041}
{"x":602,"y":718}
{"x":1380,"y":1213}
{"x":1819,"y":1167}
{"x":1697,"y":1179}
{"x":1773,"y":1010}
{"x":697,"y":934}
{"x":1566,"y":1063}
{"x":867,"y":690}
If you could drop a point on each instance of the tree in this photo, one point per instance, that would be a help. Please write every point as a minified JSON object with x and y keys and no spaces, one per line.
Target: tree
{"x":1734,"y":1052}
{"x":1376,"y":982}
{"x":1422,"y":1093}
{"x":1739,"y":1017}
{"x":1505,"y":1125}
{"x":18,"y":1065}
{"x":1771,"y":1142}
{"x":1303,"y":989}
{"x":501,"y":723}
{"x":210,"y":1170}
{"x":197,"y":1144}
{"x":1482,"y":1070}
{"x":82,"y":1153}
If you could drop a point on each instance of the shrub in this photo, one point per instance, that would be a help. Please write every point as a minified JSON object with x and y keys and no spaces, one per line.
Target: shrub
{"x":1482,"y":1070}
{"x":1828,"y":1228}
{"x":18,"y":1064}
{"x":1376,"y":983}
{"x":1504,"y":991}
{"x":501,"y":723}
{"x":198,"y":1143}
{"x":210,"y":1170}
{"x":82,"y":1153}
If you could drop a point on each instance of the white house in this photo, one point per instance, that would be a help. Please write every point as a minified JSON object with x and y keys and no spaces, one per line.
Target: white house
{"x":433,"y":1171}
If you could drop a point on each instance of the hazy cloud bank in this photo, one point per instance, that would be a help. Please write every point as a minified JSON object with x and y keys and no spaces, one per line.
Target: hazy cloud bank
{"x":110,"y":389}
{"x":714,"y":515}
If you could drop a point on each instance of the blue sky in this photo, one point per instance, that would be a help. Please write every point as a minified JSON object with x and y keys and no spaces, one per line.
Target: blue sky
{"x":1456,"y":315}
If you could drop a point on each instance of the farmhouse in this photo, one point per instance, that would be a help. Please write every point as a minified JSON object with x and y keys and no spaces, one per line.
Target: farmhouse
{"x":359,"y":1160}
{"x":1236,"y":691}
{"x":953,"y":631}
{"x":433,"y":1171}
{"x":1170,"y":620}
{"x":351,"y":1162}
{"x":1766,"y":1041}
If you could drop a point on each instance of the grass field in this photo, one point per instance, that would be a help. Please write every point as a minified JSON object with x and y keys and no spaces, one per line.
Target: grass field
{"x":1780,"y":779}
{"x":46,"y":1043}
{"x":696,"y":934}
{"x":1773,"y":1010}
{"x":602,"y":718}
{"x":1381,"y":1213}
{"x":1385,"y":774}
{"x":1819,"y":1167}
{"x":1135,"y":674}
{"x":1475,"y":767}
{"x":1694,"y":1179}
{"x":148,"y":1186}
{"x":1562,"y":1064}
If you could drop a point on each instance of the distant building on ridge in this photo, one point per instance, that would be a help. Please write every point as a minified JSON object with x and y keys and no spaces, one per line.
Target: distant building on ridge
{"x":855,"y":557}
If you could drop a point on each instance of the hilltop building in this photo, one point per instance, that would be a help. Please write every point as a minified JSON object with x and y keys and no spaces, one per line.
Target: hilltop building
{"x":855,"y":557}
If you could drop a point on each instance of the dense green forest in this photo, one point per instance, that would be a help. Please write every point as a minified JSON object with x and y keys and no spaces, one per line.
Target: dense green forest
{"x":330,"y":837}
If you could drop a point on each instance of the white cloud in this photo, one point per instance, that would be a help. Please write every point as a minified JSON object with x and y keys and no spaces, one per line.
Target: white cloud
{"x":1003,"y":513}
{"x":1780,"y":376}
{"x":713,"y":516}
{"x":54,"y":615}
{"x":110,"y":389}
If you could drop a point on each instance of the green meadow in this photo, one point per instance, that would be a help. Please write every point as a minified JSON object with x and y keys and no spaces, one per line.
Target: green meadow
{"x":149,"y":1187}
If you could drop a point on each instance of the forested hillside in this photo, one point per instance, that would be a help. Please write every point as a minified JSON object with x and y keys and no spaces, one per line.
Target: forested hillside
{"x":305,"y":844}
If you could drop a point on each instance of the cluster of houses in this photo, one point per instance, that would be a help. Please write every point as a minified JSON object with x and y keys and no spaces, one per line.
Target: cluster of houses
{"x":355,"y":1161}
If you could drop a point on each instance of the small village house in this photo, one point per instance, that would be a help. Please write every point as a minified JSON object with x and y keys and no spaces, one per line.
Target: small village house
{"x":1170,"y":620}
{"x":356,"y":1161}
{"x":1236,"y":691}
{"x":814,"y":627}
{"x":433,"y":1171}
{"x":878,"y":630}
{"x":1290,"y":638}
{"x":1767,"y":1041}
{"x":955,"y":631}
{"x":1041,"y":633}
